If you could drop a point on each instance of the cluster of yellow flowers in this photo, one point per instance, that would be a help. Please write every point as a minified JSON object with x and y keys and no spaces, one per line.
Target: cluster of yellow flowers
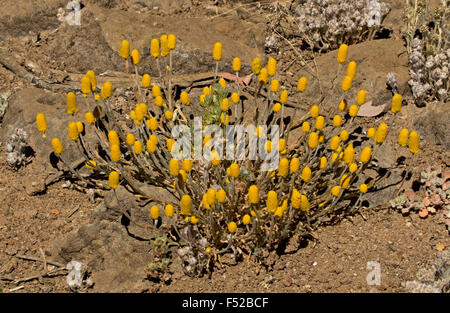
{"x":236,"y":203}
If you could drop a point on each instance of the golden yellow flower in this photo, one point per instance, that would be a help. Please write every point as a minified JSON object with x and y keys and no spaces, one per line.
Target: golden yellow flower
{"x":164,"y":46}
{"x":135,"y":56}
{"x":113,"y":138}
{"x":272,"y":201}
{"x":146,"y":81}
{"x":306,"y":174}
{"x":221,"y":196}
{"x":57,"y":146}
{"x":222,"y":83}
{"x":71,"y":103}
{"x":130,"y":139}
{"x":169,"y":210}
{"x":271,"y":67}
{"x":353,"y":110}
{"x":363,"y":188}
{"x":294,"y":166}
{"x":172,"y":41}
{"x":156,"y":91}
{"x":320,"y":122}
{"x":185,"y":205}
{"x":349,"y":154}
{"x":337,"y":120}
{"x":314,"y":111}
{"x":344,"y":135}
{"x":283,"y":96}
{"x":283,"y":167}
{"x":211,"y":196}
{"x":345,"y":181}
{"x":92,"y":79}
{"x":80,"y":127}
{"x":91,"y":164}
{"x":137,"y":147}
{"x":217,"y":51}
{"x":115,"y":153}
{"x":276,"y":107}
{"x":414,"y":142}
{"x":152,"y":123}
{"x":184,"y":98}
{"x":313,"y":140}
{"x":113,"y":179}
{"x":366,"y":154}
{"x":256,"y":66}
{"x":361,"y":97}
{"x":253,"y":194}
{"x":234,"y":170}
{"x":371,"y":132}
{"x":174,"y":167}
{"x":85,"y":85}
{"x":281,"y":144}
{"x":342,"y":53}
{"x":194,"y":219}
{"x":342,"y":105}
{"x":381,"y":133}
{"x":403,"y":137}
{"x":90,"y":118}
{"x":274,"y":85}
{"x":215,"y":158}
{"x":187,"y":165}
{"x":41,"y":122}
{"x":236,"y":64}
{"x":353,"y":167}
{"x":235,"y":97}
{"x":351,"y":69}
{"x":263,"y":77}
{"x":396,"y":103}
{"x":72,"y":131}
{"x":125,"y":49}
{"x":246,"y":219}
{"x":232,"y":227}
{"x":154,"y":212}
{"x":334,"y":143}
{"x":154,"y":47}
{"x":169,"y":115}
{"x":151,"y":146}
{"x":346,"y":83}
{"x":302,"y":83}
{"x":323,"y":162}
{"x":306,"y":127}
{"x":106,"y":90}
{"x":335,"y":191}
{"x":225,"y":105}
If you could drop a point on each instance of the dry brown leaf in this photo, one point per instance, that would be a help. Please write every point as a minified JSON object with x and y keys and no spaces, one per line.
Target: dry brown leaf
{"x":367,"y":109}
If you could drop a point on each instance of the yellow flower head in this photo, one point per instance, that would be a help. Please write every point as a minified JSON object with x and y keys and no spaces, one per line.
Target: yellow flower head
{"x":164,"y":46}
{"x":215,"y":158}
{"x":186,"y":205}
{"x":304,"y":203}
{"x":217,"y":51}
{"x":169,"y":144}
{"x":235,"y":97}
{"x":294,"y":166}
{"x":72,"y":131}
{"x":314,"y":111}
{"x":174,"y":167}
{"x":414,"y":142}
{"x":403,"y":137}
{"x":135,"y":56}
{"x":125,"y":49}
{"x":221,"y":196}
{"x":346,"y":83}
{"x":281,"y":144}
{"x":283,"y":167}
{"x":256,"y":66}
{"x":113,"y":179}
{"x":154,"y":47}
{"x":156,"y":91}
{"x":353,"y":167}
{"x":320,"y":122}
{"x":184,"y":98}
{"x":313,"y":140}
{"x":169,"y":210}
{"x":146,"y":81}
{"x":337,"y":120}
{"x":274,"y":85}
{"x":353,"y":110}
{"x":224,"y":118}
{"x":271,"y":67}
{"x":335,"y":191}
{"x":302,"y":84}
{"x":106,"y":90}
{"x":225,"y":105}
{"x":361,"y":97}
{"x":284,"y":96}
{"x":91,"y":164}
{"x":113,"y":138}
{"x":296,"y":199}
{"x":159,"y":102}
{"x":363,"y":188}
{"x":154,"y":212}
{"x":130,"y":139}
{"x":351,"y":69}
{"x":272,"y":201}
{"x":137,"y":147}
{"x":194,"y":219}
{"x":342,"y":53}
{"x":211,"y":196}
{"x":306,"y":127}
{"x":345,"y":181}
{"x":234,"y":170}
{"x":276,"y":107}
{"x":41,"y":122}
{"x":71,"y":103}
{"x":115,"y":153}
{"x":187,"y":166}
{"x":232,"y":227}
{"x":366,"y":154}
{"x":334,"y":143}
{"x":236,"y":64}
{"x":323,"y":162}
{"x":57,"y":146}
{"x":306,"y":174}
{"x":222,"y":83}
{"x":90,"y":118}
{"x":80,"y":127}
{"x":349,"y":154}
{"x":371,"y":132}
{"x":246,"y":219}
{"x":172,"y":41}
{"x":381,"y":133}
{"x":263,"y":77}
{"x":253,"y":194}
{"x":151,"y":146}
{"x":342,"y":105}
{"x":92,"y":79}
{"x":85,"y":85}
{"x":344,"y":135}
{"x":169,"y":115}
{"x":396,"y":103}
{"x":152,"y":123}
